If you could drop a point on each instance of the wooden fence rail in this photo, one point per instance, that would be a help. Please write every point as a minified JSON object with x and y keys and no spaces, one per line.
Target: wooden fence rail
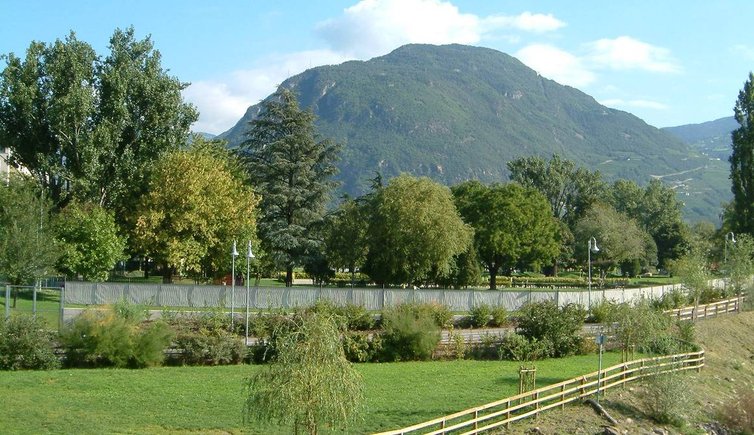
{"x":707,"y":310}
{"x":503,"y":412}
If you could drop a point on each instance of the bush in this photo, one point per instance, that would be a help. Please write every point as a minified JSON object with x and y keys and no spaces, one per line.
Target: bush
{"x":409,"y":334}
{"x":671,"y":300}
{"x":358,"y":347}
{"x":516,"y":347}
{"x":117,"y":337}
{"x":480,"y":315}
{"x":667,"y":399}
{"x":603,"y":311}
{"x":546,"y":322}
{"x":645,"y":328}
{"x":208,"y":347}
{"x":499,"y":316}
{"x":26,"y":344}
{"x":357,"y":317}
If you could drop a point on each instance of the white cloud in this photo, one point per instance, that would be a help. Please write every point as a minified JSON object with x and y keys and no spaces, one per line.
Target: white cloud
{"x":375,"y":27}
{"x":635,"y":104}
{"x":537,"y":23}
{"x":556,"y":64}
{"x":626,"y":52}
{"x":224,"y":100}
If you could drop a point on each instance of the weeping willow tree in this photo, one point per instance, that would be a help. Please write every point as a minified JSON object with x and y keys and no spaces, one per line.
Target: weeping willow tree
{"x":310,"y":382}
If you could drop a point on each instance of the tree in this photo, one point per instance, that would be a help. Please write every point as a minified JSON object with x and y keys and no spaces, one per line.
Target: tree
{"x":310,"y":382}
{"x":512,"y":225}
{"x":742,"y":161}
{"x":27,"y":247}
{"x":740,"y":262}
{"x":87,"y":127}
{"x":570,"y":190}
{"x":657,"y":209}
{"x":292,"y":170}
{"x":89,"y":240}
{"x":694,"y":272}
{"x":196,"y":207}
{"x":346,"y":236}
{"x":619,"y":238}
{"x":415,"y":231}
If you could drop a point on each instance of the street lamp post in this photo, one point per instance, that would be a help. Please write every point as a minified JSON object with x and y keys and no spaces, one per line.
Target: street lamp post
{"x":728,"y":237}
{"x":249,"y":256}
{"x":233,"y":254}
{"x":591,"y":247}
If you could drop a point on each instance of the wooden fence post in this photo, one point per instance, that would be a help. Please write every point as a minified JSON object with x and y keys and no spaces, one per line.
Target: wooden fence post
{"x":562,"y":396}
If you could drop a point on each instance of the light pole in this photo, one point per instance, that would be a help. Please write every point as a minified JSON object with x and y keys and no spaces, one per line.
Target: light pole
{"x":233,"y":254}
{"x":728,"y":237}
{"x":249,"y":256}
{"x":591,"y":247}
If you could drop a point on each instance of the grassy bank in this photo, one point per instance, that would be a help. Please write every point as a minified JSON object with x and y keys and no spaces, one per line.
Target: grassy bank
{"x":210,"y":399}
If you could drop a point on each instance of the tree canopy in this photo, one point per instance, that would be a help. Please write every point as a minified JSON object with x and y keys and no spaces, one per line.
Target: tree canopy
{"x":27,"y":246}
{"x":742,"y":161}
{"x":90,"y":241}
{"x":292,"y":170}
{"x":196,"y":207}
{"x":415,"y":231}
{"x":89,"y":127}
{"x":512,"y":225}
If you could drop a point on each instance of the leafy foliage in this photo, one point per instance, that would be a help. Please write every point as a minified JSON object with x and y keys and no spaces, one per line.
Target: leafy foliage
{"x":27,"y":247}
{"x":667,"y":399}
{"x":560,"y":327}
{"x":415,"y":232}
{"x":410,"y":333}
{"x":117,"y":337}
{"x":742,"y":161}
{"x":196,"y":206}
{"x":26,"y":344}
{"x":292,"y":170}
{"x":512,"y":225}
{"x":90,"y":241}
{"x":90,"y":127}
{"x":310,"y":382}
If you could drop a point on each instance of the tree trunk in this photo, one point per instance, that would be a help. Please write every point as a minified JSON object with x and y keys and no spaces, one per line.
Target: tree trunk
{"x":167,"y":274}
{"x":493,"y":277}
{"x":289,"y":276}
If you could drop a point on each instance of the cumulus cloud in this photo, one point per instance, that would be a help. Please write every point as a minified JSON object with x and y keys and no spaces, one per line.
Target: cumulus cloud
{"x":556,"y":64}
{"x":223,"y":101}
{"x":374,"y":27}
{"x":626,"y":52}
{"x":634,"y":104}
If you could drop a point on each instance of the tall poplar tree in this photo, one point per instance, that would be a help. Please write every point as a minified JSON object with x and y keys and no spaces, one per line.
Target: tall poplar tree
{"x":742,"y":161}
{"x":292,"y":169}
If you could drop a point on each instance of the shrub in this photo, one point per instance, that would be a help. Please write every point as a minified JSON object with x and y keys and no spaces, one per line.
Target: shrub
{"x":642,"y":326}
{"x":667,"y":399}
{"x":499,"y":316}
{"x":546,"y":322}
{"x":516,"y":347}
{"x":480,"y":315}
{"x":458,"y":346}
{"x":487,"y":348}
{"x":357,"y":317}
{"x":358,"y":347}
{"x":409,"y":334}
{"x":603,"y":311}
{"x":209,"y":348}
{"x":26,"y":344}
{"x":671,"y":300}
{"x":116,"y":338}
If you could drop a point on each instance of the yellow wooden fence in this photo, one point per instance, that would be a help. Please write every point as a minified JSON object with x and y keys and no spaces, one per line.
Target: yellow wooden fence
{"x":707,"y":310}
{"x":503,"y":412}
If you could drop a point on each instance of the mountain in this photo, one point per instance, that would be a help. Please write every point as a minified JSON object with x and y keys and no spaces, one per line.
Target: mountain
{"x":456,"y":112}
{"x":712,"y":138}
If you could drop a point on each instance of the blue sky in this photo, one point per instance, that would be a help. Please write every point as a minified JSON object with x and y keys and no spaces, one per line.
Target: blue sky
{"x":669,"y":62}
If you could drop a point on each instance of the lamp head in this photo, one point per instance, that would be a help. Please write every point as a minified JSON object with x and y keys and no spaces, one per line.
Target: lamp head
{"x":234,"y":252}
{"x":593,"y":245}
{"x":249,"y":254}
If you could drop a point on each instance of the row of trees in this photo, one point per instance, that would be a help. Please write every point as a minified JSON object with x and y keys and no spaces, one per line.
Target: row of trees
{"x":107,"y":142}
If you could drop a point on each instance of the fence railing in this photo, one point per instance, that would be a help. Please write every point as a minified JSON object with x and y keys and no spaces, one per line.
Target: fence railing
{"x":260,"y":298}
{"x":707,"y":310}
{"x":503,"y":412}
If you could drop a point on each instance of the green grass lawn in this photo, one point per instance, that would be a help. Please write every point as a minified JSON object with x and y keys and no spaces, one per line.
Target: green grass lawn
{"x":47,"y":306}
{"x":210,"y":399}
